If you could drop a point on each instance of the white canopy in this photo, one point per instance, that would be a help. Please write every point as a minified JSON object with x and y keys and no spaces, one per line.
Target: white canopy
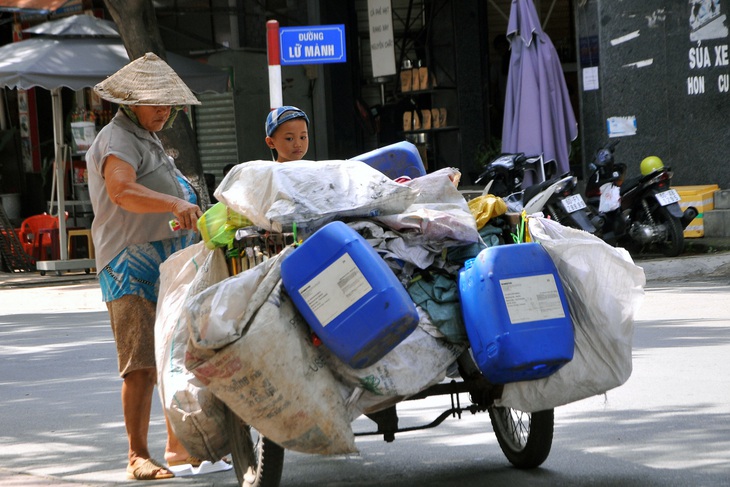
{"x":78,"y":52}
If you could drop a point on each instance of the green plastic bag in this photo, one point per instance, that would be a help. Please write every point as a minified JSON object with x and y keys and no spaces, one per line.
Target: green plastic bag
{"x":218,"y":225}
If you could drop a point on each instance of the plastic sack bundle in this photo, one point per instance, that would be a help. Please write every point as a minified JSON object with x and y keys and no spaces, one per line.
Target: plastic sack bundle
{"x":271,"y":375}
{"x":195,"y":414}
{"x":416,"y":363}
{"x":604,"y":289}
{"x":392,"y":246}
{"x":439,"y":296}
{"x":218,"y":315}
{"x":610,"y":198}
{"x":309,"y":193}
{"x":218,"y":225}
{"x":486,"y":207}
{"x":439,"y":216}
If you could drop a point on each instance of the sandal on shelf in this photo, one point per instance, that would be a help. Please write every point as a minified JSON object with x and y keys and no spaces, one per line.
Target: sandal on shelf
{"x":148,"y":469}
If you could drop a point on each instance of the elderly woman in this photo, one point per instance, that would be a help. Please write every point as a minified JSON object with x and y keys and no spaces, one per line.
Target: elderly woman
{"x":136,"y":191}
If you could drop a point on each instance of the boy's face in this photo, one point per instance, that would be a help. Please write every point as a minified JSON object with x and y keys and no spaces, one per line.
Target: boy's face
{"x":291,"y":140}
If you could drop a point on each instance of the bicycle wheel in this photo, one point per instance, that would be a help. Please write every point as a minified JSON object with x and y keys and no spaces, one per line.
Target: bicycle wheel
{"x":257,"y":460}
{"x":525,"y":438}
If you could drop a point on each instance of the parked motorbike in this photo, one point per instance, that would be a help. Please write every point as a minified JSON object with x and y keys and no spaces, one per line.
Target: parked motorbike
{"x":507,"y":172}
{"x":556,"y":197}
{"x":640,"y":214}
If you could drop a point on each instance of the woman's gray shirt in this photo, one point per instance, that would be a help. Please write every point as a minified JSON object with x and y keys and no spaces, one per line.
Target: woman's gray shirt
{"x":114,"y":228}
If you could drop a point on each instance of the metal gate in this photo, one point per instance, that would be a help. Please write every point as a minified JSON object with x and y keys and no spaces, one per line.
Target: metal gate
{"x":215,"y":125}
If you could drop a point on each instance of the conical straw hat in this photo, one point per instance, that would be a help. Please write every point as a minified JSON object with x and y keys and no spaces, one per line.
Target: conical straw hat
{"x":147,"y":80}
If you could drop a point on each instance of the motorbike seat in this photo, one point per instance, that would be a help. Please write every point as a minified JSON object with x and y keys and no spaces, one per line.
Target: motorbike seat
{"x":502,"y":167}
{"x":630,"y":184}
{"x":532,"y":191}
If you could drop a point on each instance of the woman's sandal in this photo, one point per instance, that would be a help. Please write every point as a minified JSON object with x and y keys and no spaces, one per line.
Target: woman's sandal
{"x":148,"y":469}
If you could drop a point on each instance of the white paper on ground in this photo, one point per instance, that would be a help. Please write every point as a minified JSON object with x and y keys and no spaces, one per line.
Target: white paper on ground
{"x":187,"y":470}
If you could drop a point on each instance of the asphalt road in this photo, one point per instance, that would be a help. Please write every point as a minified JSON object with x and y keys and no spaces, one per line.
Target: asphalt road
{"x":61,"y":420}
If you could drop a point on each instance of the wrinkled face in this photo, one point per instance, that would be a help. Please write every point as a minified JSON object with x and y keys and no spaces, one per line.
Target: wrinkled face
{"x":151,"y":117}
{"x":291,"y":140}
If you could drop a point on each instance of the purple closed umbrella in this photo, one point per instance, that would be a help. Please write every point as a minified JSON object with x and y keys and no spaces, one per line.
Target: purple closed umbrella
{"x":538,"y":116}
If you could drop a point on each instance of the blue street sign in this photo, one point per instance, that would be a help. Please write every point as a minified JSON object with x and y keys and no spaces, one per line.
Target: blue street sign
{"x":313,"y":44}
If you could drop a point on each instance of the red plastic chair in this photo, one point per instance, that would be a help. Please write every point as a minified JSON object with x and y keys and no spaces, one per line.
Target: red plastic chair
{"x":36,"y":236}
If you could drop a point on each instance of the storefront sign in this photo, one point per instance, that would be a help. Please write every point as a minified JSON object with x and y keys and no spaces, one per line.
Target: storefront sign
{"x":709,"y":56}
{"x":314,"y":44}
{"x":382,"y":50}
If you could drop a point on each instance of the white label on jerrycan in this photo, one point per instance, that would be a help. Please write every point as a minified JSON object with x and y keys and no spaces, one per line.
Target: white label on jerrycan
{"x":335,"y":289}
{"x":533,"y":298}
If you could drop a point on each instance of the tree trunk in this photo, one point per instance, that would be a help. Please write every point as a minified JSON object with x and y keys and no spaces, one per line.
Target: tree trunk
{"x":140,"y":33}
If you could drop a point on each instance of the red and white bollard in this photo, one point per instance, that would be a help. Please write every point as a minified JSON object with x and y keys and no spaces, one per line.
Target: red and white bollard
{"x":274,"y":56}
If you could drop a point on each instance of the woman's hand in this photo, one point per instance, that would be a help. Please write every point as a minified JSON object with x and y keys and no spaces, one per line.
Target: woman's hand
{"x":186,"y":214}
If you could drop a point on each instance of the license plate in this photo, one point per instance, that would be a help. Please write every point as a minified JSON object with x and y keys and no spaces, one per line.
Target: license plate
{"x":667,"y":197}
{"x":573,"y":203}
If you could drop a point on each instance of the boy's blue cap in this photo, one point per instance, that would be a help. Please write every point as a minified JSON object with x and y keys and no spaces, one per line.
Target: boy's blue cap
{"x":283,"y":114}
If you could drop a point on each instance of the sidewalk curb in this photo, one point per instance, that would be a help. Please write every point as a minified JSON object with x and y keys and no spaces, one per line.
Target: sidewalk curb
{"x":703,"y":259}
{"x":34,"y":279}
{"x":709,"y":266}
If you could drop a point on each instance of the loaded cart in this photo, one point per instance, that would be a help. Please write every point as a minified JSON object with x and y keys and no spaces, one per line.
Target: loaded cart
{"x":524,"y":437}
{"x":328,"y":291}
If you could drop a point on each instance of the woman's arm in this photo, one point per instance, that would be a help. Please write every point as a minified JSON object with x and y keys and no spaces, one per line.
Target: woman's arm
{"x":124,"y":191}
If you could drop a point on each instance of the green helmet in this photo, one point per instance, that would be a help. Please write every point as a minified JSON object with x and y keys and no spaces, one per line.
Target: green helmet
{"x":651,"y":164}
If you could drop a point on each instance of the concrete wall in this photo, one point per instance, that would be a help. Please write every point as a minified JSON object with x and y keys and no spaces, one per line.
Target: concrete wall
{"x":669,"y":70}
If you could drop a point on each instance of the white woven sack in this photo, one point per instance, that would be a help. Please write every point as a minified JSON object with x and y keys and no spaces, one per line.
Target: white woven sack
{"x":604,"y":289}
{"x":217,"y":315}
{"x":271,"y":376}
{"x":195,"y":414}
{"x":274,"y":195}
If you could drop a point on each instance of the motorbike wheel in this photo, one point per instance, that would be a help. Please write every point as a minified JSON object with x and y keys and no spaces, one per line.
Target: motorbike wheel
{"x":257,"y":460}
{"x":674,"y":245}
{"x":525,"y":438}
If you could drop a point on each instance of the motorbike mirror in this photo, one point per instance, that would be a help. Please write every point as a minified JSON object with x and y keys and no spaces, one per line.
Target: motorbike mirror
{"x":604,"y":157}
{"x":505,"y":160}
{"x":481,"y":177}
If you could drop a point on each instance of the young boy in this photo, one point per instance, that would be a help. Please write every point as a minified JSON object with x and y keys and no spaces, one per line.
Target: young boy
{"x":287,"y":133}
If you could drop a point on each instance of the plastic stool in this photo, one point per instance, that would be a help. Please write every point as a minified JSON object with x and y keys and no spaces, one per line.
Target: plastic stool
{"x":46,"y":246}
{"x":82,"y":233}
